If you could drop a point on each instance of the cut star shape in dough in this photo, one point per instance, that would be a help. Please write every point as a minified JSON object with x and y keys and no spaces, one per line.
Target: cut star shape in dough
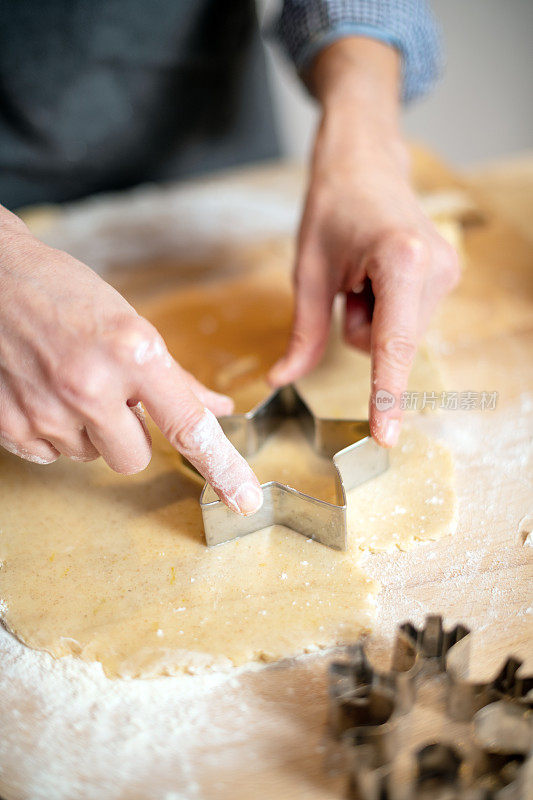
{"x":356,"y":457}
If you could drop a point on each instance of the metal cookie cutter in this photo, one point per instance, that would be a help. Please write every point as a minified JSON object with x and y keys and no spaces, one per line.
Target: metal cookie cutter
{"x":481,"y":745}
{"x":356,"y":456}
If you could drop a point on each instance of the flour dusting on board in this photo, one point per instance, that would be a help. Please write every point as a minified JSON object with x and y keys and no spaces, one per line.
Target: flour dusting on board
{"x":76,"y":733}
{"x":174,"y":221}
{"x":499,"y":446}
{"x":71,"y":732}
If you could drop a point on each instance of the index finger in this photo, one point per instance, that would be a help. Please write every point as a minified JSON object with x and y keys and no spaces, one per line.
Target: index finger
{"x":397,"y":281}
{"x":194,"y":431}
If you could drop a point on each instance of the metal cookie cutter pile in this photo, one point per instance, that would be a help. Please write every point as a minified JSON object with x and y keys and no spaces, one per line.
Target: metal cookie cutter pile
{"x":421,"y":731}
{"x":356,"y":456}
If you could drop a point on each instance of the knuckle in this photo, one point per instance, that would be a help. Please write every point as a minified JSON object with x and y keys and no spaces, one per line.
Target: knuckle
{"x":84,"y":379}
{"x":135,"y":339}
{"x":397,"y":351}
{"x":83,"y":383}
{"x":405,"y":248}
{"x":193,"y":431}
{"x":410,"y":246}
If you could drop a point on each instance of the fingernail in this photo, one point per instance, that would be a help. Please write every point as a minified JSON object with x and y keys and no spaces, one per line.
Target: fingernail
{"x":391,"y":432}
{"x":249,"y":499}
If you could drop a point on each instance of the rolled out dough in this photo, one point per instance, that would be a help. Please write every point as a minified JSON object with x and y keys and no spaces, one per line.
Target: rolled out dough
{"x":115,"y":569}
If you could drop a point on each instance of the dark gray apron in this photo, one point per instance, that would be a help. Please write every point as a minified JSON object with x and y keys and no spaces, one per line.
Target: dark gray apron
{"x":97,"y":95}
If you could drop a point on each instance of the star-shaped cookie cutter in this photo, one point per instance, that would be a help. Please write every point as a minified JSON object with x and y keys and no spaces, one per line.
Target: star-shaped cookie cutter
{"x":356,"y":457}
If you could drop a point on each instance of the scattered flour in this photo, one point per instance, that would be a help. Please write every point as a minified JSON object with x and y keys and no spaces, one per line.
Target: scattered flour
{"x":71,"y":732}
{"x":175,"y":221}
{"x":70,"y":745}
{"x":499,"y":446}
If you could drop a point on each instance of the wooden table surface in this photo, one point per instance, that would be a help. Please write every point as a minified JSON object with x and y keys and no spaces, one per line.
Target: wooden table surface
{"x":480,"y":576}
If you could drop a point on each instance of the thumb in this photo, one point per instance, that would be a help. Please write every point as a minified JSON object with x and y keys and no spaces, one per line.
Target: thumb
{"x":310,"y":327}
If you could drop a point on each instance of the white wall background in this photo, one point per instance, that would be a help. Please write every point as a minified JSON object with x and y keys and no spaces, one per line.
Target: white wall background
{"x":482,"y":108}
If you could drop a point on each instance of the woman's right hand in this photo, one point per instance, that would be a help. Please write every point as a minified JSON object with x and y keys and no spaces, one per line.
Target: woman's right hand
{"x":77,"y":361}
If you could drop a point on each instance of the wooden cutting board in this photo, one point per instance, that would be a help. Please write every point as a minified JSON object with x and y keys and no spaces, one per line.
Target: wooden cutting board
{"x":482,"y":576}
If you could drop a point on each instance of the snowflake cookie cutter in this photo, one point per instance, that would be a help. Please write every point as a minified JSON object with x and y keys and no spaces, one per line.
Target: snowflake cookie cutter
{"x":484,"y":749}
{"x":356,"y":456}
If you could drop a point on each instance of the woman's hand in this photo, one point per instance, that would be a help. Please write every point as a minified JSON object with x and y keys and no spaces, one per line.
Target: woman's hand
{"x":76,"y":361}
{"x":364,"y":234}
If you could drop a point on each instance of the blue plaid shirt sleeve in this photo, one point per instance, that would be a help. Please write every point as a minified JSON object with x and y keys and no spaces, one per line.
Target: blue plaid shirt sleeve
{"x":305,"y":27}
